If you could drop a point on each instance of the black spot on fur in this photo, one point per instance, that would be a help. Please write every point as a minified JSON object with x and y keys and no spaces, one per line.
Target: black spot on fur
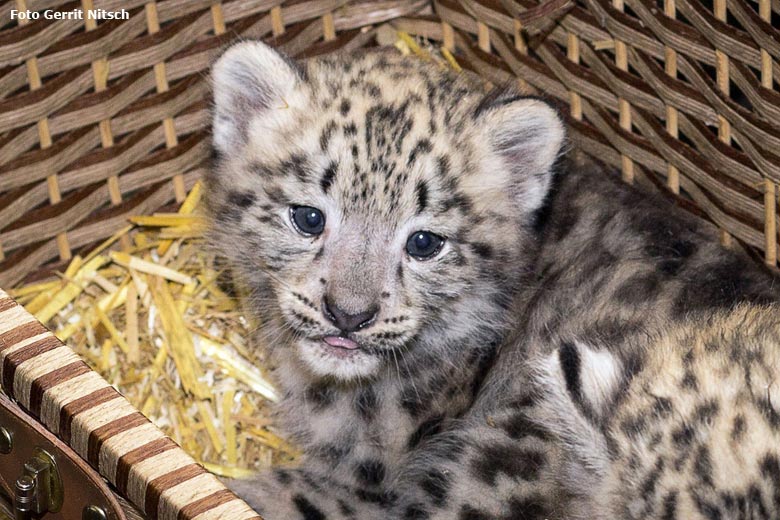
{"x":569,"y":358}
{"x":307,"y":509}
{"x":345,"y":106}
{"x":443,"y":167}
{"x":298,"y":165}
{"x":241,"y":199}
{"x":416,"y":512}
{"x":345,"y":508}
{"x":468,"y":512}
{"x":283,"y":476}
{"x":670,"y":506}
{"x":215,"y":157}
{"x":436,"y":484}
{"x":756,"y":500}
{"x":326,"y":135}
{"x":320,"y":396}
{"x":768,"y":411}
{"x":707,"y":509}
{"x":458,"y":201}
{"x":422,"y":196}
{"x":327,"y":177}
{"x":670,"y":253}
{"x":412,"y":402}
{"x":650,"y":481}
{"x":508,"y":460}
{"x":275,"y":194}
{"x":370,"y":472}
{"x":484,"y":359}
{"x":706,"y":411}
{"x":334,"y":453}
{"x":724,"y":285}
{"x":683,"y":436}
{"x":703,"y":465}
{"x":519,"y":426}
{"x":689,"y":381}
{"x":662,"y":406}
{"x":770,"y":468}
{"x":482,"y":250}
{"x":367,"y":403}
{"x":422,"y":147}
{"x":427,"y":429}
{"x":738,"y":428}
{"x":530,"y":507}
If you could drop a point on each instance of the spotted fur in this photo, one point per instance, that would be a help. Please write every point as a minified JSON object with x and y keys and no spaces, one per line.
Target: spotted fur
{"x":433,"y":416}
{"x":691,"y":432}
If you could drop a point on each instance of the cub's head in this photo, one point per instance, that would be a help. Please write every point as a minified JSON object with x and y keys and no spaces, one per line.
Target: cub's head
{"x":374,"y":204}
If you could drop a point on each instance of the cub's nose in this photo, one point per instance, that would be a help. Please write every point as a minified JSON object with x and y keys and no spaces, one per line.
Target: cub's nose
{"x":348,"y":322}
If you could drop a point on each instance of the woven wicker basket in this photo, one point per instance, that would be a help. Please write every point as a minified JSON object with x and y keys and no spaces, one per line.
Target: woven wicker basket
{"x":103,"y":120}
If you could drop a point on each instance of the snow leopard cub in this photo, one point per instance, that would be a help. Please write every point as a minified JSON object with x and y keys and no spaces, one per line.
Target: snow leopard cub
{"x":411,"y":242}
{"x":380,"y":212}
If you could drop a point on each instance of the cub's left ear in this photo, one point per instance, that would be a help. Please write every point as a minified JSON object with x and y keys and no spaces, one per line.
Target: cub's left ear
{"x":527,"y":134}
{"x":251,"y":82}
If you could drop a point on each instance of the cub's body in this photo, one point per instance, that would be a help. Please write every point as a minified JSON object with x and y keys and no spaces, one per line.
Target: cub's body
{"x":691,"y":430}
{"x":410,"y":242}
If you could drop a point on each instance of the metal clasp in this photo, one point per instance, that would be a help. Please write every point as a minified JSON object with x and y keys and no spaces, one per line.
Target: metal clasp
{"x":39,"y":490}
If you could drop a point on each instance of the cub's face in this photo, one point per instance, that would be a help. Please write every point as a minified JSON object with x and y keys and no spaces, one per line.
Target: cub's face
{"x":373,"y":204}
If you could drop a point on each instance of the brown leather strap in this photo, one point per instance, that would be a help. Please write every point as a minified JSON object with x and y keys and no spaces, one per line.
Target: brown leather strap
{"x":83,"y":486}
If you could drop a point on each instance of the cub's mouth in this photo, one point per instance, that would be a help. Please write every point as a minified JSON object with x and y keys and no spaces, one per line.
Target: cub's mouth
{"x":341,"y":346}
{"x":338,"y":356}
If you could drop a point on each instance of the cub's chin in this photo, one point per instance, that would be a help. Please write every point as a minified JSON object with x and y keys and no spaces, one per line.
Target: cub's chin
{"x":342,"y":360}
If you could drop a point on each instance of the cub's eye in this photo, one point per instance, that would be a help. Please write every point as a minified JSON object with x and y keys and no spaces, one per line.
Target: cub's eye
{"x":308,"y":221}
{"x":423,"y":245}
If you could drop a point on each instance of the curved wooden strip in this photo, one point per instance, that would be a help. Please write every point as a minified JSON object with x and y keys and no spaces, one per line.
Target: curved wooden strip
{"x":133,"y":178}
{"x":94,"y":419}
{"x":765,"y":35}
{"x":722,"y":36}
{"x":33,"y":106}
{"x":24,"y":42}
{"x":21,"y":262}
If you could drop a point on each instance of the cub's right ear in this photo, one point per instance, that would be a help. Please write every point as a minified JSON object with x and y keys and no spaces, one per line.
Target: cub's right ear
{"x":250,"y":81}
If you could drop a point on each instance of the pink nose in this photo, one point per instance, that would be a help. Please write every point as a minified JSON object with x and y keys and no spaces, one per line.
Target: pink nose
{"x":348,"y":322}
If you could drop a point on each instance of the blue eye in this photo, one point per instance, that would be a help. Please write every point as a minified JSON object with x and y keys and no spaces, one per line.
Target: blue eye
{"x":308,"y":221}
{"x":423,"y":245}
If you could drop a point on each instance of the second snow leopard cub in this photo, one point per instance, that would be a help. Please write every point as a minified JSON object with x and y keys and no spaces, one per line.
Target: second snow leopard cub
{"x":406,"y":242}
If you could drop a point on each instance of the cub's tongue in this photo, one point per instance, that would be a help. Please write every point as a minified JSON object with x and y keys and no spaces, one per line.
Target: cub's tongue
{"x":338,"y":341}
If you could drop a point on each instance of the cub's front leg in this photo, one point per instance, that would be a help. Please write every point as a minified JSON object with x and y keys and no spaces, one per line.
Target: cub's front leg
{"x":311,"y":493}
{"x":499,"y":466}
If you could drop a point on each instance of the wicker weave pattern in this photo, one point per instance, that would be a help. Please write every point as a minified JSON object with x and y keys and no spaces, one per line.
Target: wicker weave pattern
{"x":677,"y":95}
{"x":52,"y":383}
{"x":102,"y":120}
